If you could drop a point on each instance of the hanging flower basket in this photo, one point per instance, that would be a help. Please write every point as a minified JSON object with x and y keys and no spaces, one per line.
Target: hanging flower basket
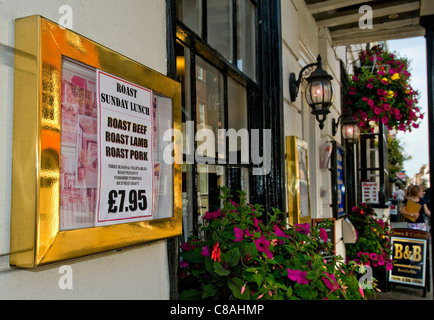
{"x":379,"y":92}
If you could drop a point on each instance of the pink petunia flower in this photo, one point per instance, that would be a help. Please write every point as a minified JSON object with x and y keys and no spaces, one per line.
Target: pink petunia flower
{"x":239,"y":234}
{"x":330,"y":282}
{"x":205,"y":252}
{"x":262,"y":245}
{"x":279,"y":233}
{"x":323,"y":234}
{"x":212,"y":215}
{"x":303,"y":228}
{"x":298,"y":276}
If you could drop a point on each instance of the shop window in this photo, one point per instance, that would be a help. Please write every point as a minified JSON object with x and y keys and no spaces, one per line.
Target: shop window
{"x":229,"y":26}
{"x":216,"y":39}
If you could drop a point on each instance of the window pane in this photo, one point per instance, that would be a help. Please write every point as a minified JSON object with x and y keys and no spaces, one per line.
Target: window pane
{"x":189,"y":12}
{"x":209,"y":103}
{"x":220,"y":27}
{"x":246,"y":42}
{"x":237,"y":120}
{"x":210,"y":178}
{"x":239,"y":180}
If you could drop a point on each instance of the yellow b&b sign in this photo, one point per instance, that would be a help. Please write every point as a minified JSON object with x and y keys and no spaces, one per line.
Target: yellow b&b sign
{"x":409,"y":257}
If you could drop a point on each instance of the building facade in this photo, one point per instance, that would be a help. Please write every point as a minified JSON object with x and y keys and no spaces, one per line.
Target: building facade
{"x":233,"y":59}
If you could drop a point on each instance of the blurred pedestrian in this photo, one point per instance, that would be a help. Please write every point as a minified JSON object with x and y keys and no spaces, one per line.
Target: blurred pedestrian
{"x":416,"y":220}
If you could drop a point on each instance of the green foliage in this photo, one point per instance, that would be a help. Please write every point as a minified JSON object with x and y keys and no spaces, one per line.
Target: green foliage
{"x":238,"y":256}
{"x":373,"y":247}
{"x":396,"y":156}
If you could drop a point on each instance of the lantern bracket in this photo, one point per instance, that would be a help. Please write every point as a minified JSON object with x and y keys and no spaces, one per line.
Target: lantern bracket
{"x":294,"y":84}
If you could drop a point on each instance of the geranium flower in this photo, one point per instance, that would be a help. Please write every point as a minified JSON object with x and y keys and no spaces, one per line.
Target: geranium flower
{"x":262,"y":245}
{"x":298,"y":276}
{"x":239,"y":234}
{"x":323,"y":234}
{"x":303,"y":228}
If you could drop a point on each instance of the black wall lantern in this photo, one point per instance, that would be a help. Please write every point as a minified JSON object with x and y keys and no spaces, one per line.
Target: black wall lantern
{"x":350,"y":128}
{"x":319,"y":90}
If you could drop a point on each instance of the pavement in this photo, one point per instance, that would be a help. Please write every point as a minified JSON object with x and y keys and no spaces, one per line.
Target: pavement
{"x":404,"y":293}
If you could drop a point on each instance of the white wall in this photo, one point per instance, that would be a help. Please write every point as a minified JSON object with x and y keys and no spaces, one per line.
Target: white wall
{"x":136,"y":29}
{"x":302,"y":42}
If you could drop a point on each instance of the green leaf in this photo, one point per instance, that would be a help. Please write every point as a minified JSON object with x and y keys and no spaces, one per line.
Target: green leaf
{"x":193,"y":256}
{"x":311,"y":275}
{"x":231,"y":258}
{"x":236,"y":284}
{"x":258,"y":279}
{"x":289,"y":292}
{"x":190,"y":294}
{"x":220,"y":270}
{"x":210,"y":290}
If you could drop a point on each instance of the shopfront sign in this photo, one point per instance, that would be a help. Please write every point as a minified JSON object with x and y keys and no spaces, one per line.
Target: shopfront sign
{"x":409,"y":256}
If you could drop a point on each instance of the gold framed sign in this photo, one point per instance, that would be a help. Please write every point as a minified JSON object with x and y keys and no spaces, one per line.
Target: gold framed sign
{"x":88,"y":152}
{"x":297,"y":181}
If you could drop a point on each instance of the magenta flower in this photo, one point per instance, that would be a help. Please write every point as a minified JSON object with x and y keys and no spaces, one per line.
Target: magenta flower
{"x":330,"y":282}
{"x":369,"y":85}
{"x":262,"y":245}
{"x":239,"y":234}
{"x":212,"y":215}
{"x":279,"y":233}
{"x":298,"y":276}
{"x":303,"y":228}
{"x":247,"y":232}
{"x":373,"y":256}
{"x":370,"y":102}
{"x":389,"y":266}
{"x":384,"y":120}
{"x":183,"y":264}
{"x":323,"y":234}
{"x":377,"y":111}
{"x":205,"y":252}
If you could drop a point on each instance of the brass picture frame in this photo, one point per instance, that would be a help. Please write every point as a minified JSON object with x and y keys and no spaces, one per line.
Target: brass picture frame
{"x":36,"y":239}
{"x":299,"y":209}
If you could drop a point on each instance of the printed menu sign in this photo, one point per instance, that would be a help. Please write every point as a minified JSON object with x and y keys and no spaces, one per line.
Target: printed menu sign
{"x":125,"y":135}
{"x":370,"y":192}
